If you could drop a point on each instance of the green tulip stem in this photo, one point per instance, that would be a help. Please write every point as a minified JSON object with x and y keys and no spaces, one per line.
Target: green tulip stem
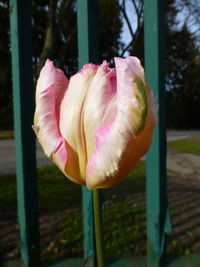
{"x":98,"y":223}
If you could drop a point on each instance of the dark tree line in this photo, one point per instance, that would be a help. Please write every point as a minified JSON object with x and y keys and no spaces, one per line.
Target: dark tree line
{"x":54,"y":34}
{"x":183,"y":68}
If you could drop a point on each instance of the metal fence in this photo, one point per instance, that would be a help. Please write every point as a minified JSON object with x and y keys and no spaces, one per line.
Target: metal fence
{"x":158,"y":222}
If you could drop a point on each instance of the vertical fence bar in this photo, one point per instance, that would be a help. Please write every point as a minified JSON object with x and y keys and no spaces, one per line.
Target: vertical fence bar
{"x":20,"y":22}
{"x":157,"y":213}
{"x":88,"y":51}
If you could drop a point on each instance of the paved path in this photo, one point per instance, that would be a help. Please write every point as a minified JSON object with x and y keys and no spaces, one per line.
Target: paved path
{"x":178,"y":162}
{"x":184,"y":164}
{"x":173,"y":135}
{"x":7,"y":156}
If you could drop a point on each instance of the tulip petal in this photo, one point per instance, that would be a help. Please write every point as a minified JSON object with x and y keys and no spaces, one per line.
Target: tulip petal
{"x":85,"y":107}
{"x":100,"y":103}
{"x":71,"y":109}
{"x":119,"y":144}
{"x":50,"y":90}
{"x":51,"y":86}
{"x":97,"y":127}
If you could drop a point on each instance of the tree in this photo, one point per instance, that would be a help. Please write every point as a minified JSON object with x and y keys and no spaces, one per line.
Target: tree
{"x":54,"y":33}
{"x":183,"y":68}
{"x":6,"y":120}
{"x":136,"y":31}
{"x":182,"y":57}
{"x":60,"y":42}
{"x":55,"y":37}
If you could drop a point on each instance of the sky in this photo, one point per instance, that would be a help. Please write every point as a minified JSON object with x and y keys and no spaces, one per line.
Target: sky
{"x":192,"y":21}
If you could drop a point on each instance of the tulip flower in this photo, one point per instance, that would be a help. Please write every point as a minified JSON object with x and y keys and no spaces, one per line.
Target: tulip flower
{"x":97,"y":125}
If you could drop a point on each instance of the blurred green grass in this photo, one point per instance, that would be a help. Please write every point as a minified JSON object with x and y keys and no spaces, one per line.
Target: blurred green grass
{"x":57,"y":193}
{"x":60,"y":201}
{"x":55,"y":188}
{"x":185,"y":146}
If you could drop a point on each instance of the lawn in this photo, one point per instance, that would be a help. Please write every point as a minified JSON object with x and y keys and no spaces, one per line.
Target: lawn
{"x":57,"y":193}
{"x":185,"y":146}
{"x":60,"y":204}
{"x":61,"y":213}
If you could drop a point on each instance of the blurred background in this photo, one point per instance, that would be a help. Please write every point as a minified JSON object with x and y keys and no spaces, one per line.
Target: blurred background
{"x":54,"y":36}
{"x":121,"y":34}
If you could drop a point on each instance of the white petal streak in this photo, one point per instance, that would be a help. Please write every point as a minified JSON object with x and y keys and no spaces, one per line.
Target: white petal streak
{"x":71,"y":113}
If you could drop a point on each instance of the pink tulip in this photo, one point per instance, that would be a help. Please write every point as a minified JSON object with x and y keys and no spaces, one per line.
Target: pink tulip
{"x":97,"y":125}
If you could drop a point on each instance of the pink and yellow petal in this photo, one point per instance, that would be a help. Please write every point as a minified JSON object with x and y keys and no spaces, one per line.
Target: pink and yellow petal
{"x":71,"y":113}
{"x":87,"y":104}
{"x":100,"y":103}
{"x":119,"y":145}
{"x":51,"y":86}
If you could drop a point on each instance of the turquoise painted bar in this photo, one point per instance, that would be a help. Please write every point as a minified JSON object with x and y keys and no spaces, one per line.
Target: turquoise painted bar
{"x":88,"y":51}
{"x":158,"y":221}
{"x":23,"y":97}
